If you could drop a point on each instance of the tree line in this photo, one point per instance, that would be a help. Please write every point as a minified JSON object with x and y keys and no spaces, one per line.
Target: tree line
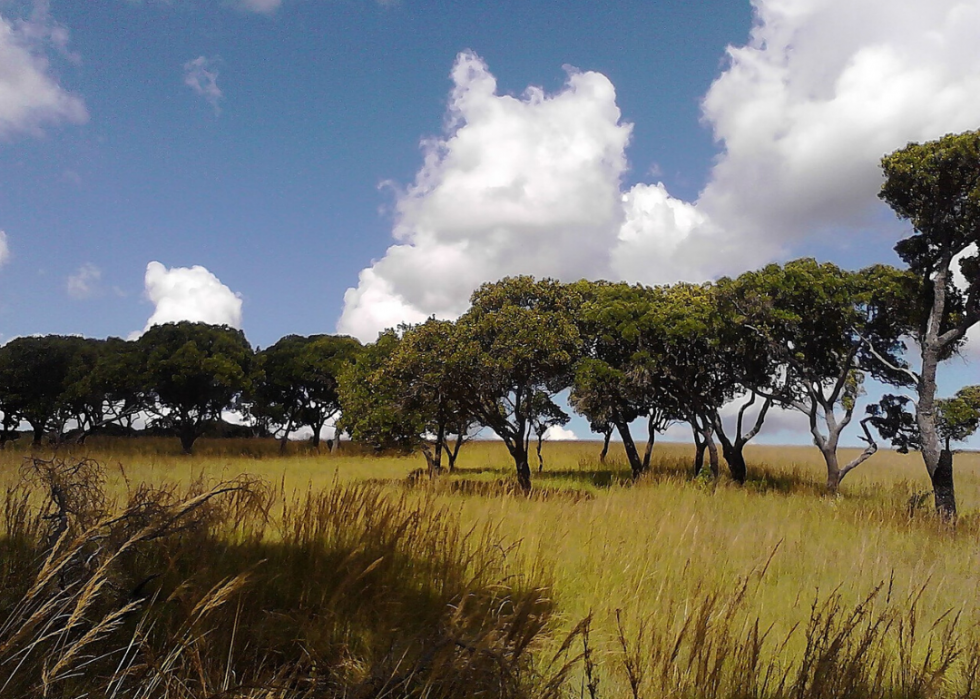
{"x":804,"y":336}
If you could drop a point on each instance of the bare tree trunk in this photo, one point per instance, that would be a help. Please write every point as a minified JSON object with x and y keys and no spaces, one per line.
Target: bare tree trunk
{"x":540,"y":458}
{"x":454,"y":451}
{"x":704,"y":440}
{"x":699,"y":446}
{"x":317,"y":428}
{"x":632,"y":455}
{"x":651,"y":438}
{"x":606,"y":436}
{"x":942,"y":486}
{"x":833,"y":469}
{"x":712,"y":454}
{"x":523,"y":471}
{"x":37,"y":436}
{"x":187,"y":438}
{"x":517,"y":445}
{"x":939,"y":462}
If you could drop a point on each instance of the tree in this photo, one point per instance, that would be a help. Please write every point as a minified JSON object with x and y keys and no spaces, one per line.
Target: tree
{"x":521,"y":344}
{"x":817,"y":322}
{"x":192,"y":372}
{"x":34,"y":372}
{"x":616,"y":383}
{"x":936,"y":187}
{"x":295,"y":382}
{"x":104,"y":386}
{"x":686,"y":351}
{"x":958,"y":419}
{"x":410,"y":393}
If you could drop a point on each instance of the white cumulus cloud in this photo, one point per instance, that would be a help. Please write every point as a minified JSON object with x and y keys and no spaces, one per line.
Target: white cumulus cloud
{"x":30,"y":95}
{"x":4,"y":249}
{"x":84,"y":282}
{"x":190,"y":293}
{"x":526,"y":184}
{"x":557,"y":433}
{"x":821,"y":92}
{"x":201,"y":75}
{"x":802,"y":115}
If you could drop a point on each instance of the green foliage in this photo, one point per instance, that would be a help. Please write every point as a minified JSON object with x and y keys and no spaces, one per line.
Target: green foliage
{"x":192,"y":372}
{"x":370,"y":409}
{"x":521,"y":343}
{"x":36,"y":374}
{"x":936,"y":186}
{"x":295,"y":381}
{"x":409,"y":390}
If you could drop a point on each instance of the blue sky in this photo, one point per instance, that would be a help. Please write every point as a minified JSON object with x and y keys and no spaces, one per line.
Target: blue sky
{"x":272,"y":156}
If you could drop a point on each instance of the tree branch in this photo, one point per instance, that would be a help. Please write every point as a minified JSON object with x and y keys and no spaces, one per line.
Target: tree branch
{"x":863,"y":456}
{"x":901,"y":370}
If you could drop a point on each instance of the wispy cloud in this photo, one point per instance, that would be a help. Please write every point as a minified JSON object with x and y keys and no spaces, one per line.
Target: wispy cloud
{"x":30,"y":96}
{"x":201,"y":75}
{"x":4,"y":249}
{"x":84,"y":283}
{"x":265,"y":7}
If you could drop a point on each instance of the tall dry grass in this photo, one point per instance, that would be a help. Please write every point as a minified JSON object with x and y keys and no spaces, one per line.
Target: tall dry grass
{"x":657,"y":588}
{"x":238,"y":590}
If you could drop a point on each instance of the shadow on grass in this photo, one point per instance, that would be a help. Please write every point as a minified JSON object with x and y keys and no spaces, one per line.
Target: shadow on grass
{"x":352,"y":592}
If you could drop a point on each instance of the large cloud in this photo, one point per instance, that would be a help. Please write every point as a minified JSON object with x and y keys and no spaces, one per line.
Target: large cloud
{"x":525,"y":184}
{"x":824,"y":89}
{"x":190,"y":293}
{"x":802,"y":114}
{"x":30,"y":95}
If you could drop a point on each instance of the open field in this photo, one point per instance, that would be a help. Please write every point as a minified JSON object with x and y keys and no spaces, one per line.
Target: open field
{"x":644,"y":559}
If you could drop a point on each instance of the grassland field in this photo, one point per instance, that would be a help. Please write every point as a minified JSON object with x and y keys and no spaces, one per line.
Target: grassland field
{"x":635,"y":555}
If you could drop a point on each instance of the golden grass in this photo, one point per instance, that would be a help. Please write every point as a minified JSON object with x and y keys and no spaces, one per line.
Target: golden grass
{"x":652,"y":550}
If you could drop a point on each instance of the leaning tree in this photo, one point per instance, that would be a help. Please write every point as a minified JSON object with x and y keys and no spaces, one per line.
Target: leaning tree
{"x":617,"y":382}
{"x":522,"y":343}
{"x":816,"y":322}
{"x":936,"y":187}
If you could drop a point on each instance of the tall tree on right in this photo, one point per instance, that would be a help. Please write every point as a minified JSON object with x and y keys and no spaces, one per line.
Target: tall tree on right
{"x":936,"y":187}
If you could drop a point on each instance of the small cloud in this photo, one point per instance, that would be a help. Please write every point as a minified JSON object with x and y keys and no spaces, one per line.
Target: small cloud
{"x":84,"y":283}
{"x":69,"y":175}
{"x":4,"y":249}
{"x":190,"y":293}
{"x":201,"y":75}
{"x":266,"y":7}
{"x":557,"y":433}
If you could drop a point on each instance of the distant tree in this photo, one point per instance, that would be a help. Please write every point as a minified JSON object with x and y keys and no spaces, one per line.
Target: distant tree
{"x":192,"y":372}
{"x":103,"y":388}
{"x":295,"y":383}
{"x":816,"y":322}
{"x":936,"y":187}
{"x":522,"y":343}
{"x":34,"y":373}
{"x":370,"y":413}
{"x":748,"y":366}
